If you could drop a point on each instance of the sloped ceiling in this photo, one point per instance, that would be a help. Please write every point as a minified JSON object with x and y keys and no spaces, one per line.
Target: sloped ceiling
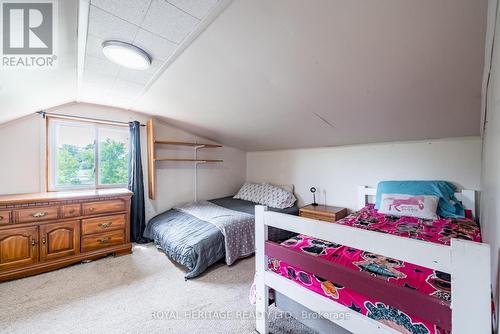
{"x":295,"y":73}
{"x":283,"y":73}
{"x":28,"y":90}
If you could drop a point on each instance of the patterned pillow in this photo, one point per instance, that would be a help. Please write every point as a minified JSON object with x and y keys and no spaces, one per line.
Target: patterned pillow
{"x":419,"y":206}
{"x":266,"y":194}
{"x":286,"y":187}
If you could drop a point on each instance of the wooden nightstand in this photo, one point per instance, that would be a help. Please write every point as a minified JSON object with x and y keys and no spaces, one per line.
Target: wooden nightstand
{"x":323,"y":212}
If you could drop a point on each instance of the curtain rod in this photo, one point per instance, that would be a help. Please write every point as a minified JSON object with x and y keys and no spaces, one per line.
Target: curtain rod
{"x":44,"y":114}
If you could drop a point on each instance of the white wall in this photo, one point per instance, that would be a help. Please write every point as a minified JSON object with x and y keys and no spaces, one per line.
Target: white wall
{"x":20,"y":166}
{"x":22,"y":145}
{"x":490,"y":182}
{"x":337,"y":171}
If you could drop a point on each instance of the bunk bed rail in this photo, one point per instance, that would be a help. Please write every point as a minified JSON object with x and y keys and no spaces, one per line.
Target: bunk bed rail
{"x":468,"y":263}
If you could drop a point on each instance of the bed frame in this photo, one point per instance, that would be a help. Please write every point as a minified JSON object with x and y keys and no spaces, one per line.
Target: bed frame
{"x":468,"y":263}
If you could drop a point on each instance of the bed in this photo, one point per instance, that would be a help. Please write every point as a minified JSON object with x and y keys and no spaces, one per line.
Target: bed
{"x":335,"y":269}
{"x":188,"y":235}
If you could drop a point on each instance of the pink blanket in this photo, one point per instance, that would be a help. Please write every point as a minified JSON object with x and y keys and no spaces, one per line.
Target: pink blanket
{"x":425,"y":280}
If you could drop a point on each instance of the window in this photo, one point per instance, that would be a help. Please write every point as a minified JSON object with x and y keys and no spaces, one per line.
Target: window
{"x":84,"y":155}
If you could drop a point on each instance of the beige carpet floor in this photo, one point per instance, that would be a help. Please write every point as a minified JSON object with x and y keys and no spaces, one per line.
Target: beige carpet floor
{"x":140,"y":293}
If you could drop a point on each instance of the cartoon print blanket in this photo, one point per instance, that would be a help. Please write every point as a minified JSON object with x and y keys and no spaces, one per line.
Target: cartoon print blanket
{"x":425,"y":280}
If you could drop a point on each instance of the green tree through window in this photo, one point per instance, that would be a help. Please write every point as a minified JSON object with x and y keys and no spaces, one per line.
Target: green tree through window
{"x":75,"y":163}
{"x":68,"y":165}
{"x":113,"y":162}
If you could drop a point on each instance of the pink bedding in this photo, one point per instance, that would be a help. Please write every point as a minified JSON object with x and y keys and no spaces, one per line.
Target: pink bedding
{"x":425,"y":280}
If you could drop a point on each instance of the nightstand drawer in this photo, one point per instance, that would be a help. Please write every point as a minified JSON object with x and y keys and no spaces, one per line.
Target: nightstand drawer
{"x":323,"y":212}
{"x":326,"y":218}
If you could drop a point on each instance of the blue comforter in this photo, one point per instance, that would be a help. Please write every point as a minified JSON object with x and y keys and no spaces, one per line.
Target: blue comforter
{"x":197,"y":244}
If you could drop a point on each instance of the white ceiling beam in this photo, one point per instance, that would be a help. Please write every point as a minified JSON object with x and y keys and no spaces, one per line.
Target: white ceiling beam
{"x":83,"y":22}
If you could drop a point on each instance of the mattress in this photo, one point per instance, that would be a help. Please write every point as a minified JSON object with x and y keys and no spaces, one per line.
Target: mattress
{"x":249,"y":207}
{"x":197,"y":244}
{"x":424,"y":280}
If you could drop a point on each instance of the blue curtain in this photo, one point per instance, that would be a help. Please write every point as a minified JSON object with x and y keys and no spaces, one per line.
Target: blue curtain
{"x":136,"y":185}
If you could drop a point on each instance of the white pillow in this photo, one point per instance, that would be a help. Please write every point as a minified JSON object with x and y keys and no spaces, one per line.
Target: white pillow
{"x":266,"y":194}
{"x":286,"y":187}
{"x":419,"y":206}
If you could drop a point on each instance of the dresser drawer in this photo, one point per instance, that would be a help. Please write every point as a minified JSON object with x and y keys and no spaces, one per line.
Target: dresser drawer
{"x":103,"y":224}
{"x":36,"y":214}
{"x":102,"y":240}
{"x":5,"y":218}
{"x":94,"y":208}
{"x":71,"y":210}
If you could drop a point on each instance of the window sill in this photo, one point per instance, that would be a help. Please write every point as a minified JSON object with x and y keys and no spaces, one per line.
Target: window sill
{"x":114,"y":187}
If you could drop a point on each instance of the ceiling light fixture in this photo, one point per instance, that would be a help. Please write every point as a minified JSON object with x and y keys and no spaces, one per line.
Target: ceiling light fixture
{"x":126,"y":54}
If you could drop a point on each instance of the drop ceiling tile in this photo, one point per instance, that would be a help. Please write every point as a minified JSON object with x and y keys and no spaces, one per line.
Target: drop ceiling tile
{"x":95,"y":86}
{"x":89,"y":96}
{"x":158,"y":47}
{"x":101,"y":66}
{"x":126,"y":90}
{"x":197,"y":8}
{"x":139,"y":77}
{"x":108,"y":99}
{"x":91,"y":91}
{"x":92,"y":78}
{"x":120,"y":101}
{"x":94,"y":46}
{"x":106,"y":26}
{"x":129,"y":10}
{"x":98,"y":89}
{"x":168,"y":21}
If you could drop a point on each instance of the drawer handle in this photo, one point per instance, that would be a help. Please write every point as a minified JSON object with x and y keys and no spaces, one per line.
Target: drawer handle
{"x":91,"y":209}
{"x":105,"y":225}
{"x":104,"y":240}
{"x":43,"y":240}
{"x":1,"y":217}
{"x":39,"y":214}
{"x":33,"y":242}
{"x":71,"y":211}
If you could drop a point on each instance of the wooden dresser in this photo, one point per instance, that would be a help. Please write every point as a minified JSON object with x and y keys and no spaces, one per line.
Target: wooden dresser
{"x":45,"y":231}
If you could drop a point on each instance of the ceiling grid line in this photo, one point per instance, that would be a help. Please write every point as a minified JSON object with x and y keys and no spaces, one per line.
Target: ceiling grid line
{"x":157,"y":26}
{"x":182,"y":10}
{"x":138,"y":26}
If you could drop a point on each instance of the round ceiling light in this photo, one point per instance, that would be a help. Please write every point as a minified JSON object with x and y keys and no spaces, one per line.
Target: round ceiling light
{"x":126,"y":54}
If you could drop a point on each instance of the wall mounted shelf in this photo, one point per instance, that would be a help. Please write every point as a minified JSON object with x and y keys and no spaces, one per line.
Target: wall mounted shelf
{"x":152,"y":159}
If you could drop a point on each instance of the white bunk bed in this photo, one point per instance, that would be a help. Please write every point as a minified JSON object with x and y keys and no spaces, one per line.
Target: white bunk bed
{"x":467,"y":262}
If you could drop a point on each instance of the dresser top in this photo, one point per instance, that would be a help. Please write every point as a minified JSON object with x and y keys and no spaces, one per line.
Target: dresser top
{"x":56,"y":196}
